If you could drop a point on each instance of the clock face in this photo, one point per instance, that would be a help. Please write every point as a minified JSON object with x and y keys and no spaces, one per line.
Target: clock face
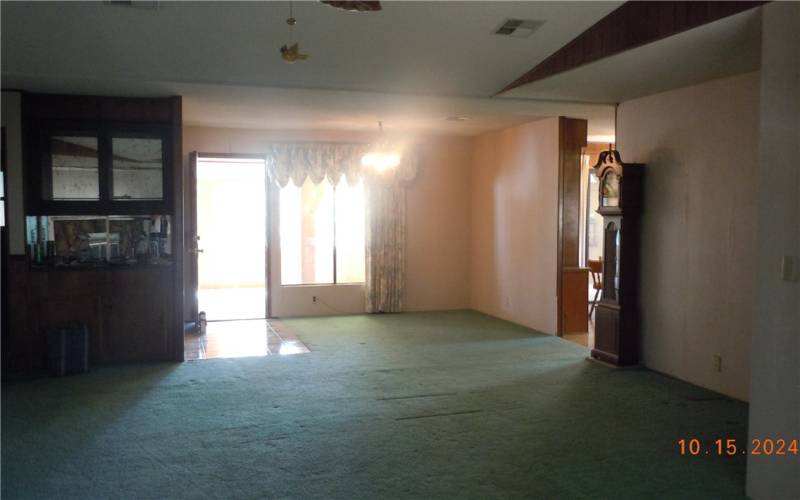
{"x":609,"y":190}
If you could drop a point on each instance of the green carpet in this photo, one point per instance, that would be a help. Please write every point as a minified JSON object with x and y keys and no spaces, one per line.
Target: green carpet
{"x":422,"y":405}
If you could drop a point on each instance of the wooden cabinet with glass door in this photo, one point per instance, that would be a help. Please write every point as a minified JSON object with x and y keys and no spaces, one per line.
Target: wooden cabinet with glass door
{"x":110,"y":169}
{"x":104,"y":234}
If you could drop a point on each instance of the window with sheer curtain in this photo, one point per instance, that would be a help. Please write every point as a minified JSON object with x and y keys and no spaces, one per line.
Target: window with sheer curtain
{"x":322,"y":233}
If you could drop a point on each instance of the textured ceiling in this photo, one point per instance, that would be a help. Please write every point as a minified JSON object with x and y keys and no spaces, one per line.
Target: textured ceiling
{"x":432,"y":48}
{"x":410,"y":65}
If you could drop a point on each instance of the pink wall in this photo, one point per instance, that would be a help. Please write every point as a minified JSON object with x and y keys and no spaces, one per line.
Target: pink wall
{"x":698,"y":227}
{"x":437,"y":222}
{"x":514,"y":198}
{"x":438,"y":227}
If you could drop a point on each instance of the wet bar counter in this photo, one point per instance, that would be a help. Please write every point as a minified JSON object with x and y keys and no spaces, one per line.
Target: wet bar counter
{"x":127,"y":309}
{"x":99,"y":266}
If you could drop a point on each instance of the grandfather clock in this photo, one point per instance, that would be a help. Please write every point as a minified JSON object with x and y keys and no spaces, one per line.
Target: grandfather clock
{"x":616,"y":334}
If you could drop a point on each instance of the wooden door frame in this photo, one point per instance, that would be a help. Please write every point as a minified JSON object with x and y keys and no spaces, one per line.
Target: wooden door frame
{"x":4,"y":258}
{"x":175,"y":344}
{"x":190,"y":312}
{"x":572,"y":139}
{"x":268,"y":222}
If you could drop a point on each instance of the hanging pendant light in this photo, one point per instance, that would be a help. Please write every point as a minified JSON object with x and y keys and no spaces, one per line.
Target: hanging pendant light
{"x":382,"y":157}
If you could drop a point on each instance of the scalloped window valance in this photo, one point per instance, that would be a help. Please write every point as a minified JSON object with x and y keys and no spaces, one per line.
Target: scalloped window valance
{"x":317,"y":161}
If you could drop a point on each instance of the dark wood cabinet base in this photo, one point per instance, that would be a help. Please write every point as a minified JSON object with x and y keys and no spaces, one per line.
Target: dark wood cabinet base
{"x":128,"y":313}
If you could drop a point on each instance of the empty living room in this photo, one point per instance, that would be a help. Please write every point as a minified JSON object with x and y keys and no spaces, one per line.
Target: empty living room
{"x":400,"y":249}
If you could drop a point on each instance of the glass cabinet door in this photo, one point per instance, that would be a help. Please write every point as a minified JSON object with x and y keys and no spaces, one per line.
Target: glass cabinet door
{"x":611,"y":250}
{"x":137,"y":168}
{"x":119,"y":169}
{"x":609,"y":190}
{"x":74,"y":169}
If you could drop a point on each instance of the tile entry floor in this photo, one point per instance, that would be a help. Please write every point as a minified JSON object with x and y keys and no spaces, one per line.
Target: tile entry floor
{"x":236,"y":339}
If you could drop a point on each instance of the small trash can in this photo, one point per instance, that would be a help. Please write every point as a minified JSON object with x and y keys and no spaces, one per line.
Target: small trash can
{"x":68,"y":350}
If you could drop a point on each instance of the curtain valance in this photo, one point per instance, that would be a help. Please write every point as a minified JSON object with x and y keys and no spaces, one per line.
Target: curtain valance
{"x":317,"y":161}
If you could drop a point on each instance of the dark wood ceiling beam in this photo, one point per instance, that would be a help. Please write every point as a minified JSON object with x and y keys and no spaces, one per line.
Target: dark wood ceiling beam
{"x":631,"y":25}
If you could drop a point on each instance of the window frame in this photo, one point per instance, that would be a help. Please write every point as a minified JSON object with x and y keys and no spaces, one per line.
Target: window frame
{"x":335,"y":281}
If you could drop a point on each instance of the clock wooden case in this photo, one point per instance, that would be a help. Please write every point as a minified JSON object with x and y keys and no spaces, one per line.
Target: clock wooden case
{"x":617,"y":313}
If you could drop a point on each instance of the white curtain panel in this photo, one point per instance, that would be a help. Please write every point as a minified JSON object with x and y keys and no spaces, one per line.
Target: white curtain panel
{"x":385,"y":280}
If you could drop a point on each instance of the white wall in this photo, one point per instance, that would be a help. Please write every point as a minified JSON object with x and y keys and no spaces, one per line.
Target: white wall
{"x":514,"y":208}
{"x":698,"y":227}
{"x":10,"y":112}
{"x":437,"y":220}
{"x":775,"y":382}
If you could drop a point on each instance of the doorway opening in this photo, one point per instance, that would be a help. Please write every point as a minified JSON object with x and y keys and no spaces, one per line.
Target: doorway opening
{"x":231,"y":238}
{"x":591,"y":239}
{"x":227,"y":275}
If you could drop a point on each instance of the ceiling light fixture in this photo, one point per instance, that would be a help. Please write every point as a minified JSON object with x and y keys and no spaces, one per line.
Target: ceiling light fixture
{"x":381,"y":158}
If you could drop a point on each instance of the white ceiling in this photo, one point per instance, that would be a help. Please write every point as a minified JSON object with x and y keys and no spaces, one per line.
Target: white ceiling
{"x":410,"y":65}
{"x":431,"y":48}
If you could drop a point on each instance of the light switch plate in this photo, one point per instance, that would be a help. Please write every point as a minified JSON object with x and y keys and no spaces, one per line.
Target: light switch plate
{"x":789,"y":268}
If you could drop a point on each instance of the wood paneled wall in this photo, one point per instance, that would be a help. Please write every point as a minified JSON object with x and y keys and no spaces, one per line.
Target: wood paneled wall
{"x":631,"y":25}
{"x":571,"y":141}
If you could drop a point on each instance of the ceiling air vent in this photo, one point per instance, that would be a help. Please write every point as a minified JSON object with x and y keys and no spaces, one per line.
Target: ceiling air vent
{"x":518,"y":28}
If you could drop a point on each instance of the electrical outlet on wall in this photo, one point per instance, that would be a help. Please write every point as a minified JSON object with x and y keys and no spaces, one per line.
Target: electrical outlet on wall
{"x":314,"y":299}
{"x":717,"y":363}
{"x":789,"y":268}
